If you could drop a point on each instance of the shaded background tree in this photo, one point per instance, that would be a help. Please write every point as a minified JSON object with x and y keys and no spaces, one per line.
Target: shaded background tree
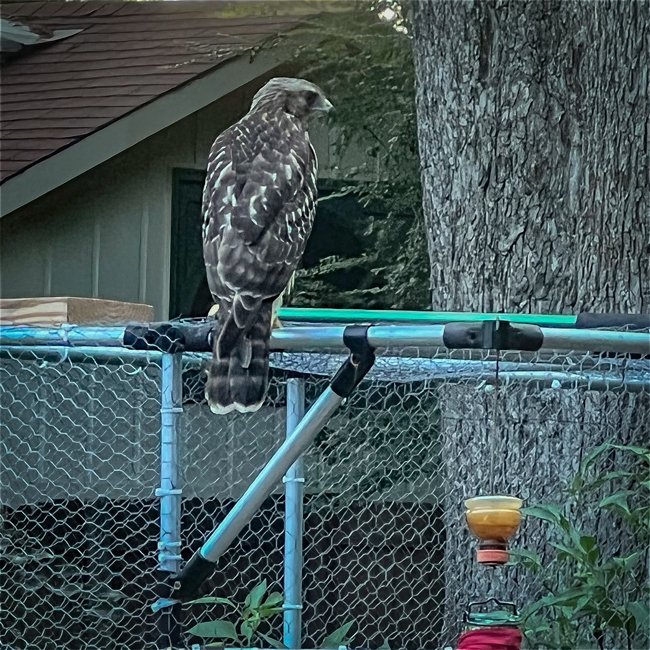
{"x":368,"y":245}
{"x":361,"y":56}
{"x":532,"y":124}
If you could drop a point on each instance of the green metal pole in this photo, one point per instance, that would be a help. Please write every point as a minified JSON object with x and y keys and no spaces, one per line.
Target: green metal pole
{"x":302,"y":315}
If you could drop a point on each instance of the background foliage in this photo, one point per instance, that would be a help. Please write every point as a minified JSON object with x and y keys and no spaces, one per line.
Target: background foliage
{"x":377,"y":255}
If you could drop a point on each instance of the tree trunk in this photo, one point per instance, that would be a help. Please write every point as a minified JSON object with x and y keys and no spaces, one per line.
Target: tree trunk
{"x":533,"y":134}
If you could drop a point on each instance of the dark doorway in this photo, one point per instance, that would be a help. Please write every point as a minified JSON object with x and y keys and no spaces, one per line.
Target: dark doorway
{"x":339,"y":233}
{"x":188,"y":288}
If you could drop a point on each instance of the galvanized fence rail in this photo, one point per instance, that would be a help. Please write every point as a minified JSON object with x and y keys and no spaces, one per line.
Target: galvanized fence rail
{"x":114,"y":474}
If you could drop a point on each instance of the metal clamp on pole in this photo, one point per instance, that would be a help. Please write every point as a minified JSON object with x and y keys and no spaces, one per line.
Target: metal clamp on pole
{"x":291,"y":608}
{"x":354,"y":369}
{"x":493,"y":335}
{"x":174,"y":336}
{"x":357,"y":365}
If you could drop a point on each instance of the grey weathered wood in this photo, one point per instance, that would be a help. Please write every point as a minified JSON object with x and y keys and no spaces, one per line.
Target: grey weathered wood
{"x":533,"y":134}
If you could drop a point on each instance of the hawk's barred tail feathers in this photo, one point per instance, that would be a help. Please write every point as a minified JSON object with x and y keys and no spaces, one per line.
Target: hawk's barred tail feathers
{"x":239,"y":368}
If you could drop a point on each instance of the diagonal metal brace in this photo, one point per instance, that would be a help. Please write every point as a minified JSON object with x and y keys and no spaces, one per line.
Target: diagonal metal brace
{"x":351,"y":373}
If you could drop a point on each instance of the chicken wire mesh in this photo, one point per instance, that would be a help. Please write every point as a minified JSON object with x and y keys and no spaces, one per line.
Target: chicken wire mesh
{"x":385,"y":544}
{"x":79,"y":450}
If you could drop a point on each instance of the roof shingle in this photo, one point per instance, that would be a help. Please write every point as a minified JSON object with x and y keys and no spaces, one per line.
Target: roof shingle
{"x":127,"y":54}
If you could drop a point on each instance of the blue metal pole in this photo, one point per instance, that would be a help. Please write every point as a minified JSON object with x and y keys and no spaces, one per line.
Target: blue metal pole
{"x":270,"y":475}
{"x":294,"y":490}
{"x":169,"y":545}
{"x":620,"y":375}
{"x":66,"y":335}
{"x":325,"y":338}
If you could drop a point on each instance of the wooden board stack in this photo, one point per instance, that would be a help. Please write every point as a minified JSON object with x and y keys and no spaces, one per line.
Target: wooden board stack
{"x":78,"y":311}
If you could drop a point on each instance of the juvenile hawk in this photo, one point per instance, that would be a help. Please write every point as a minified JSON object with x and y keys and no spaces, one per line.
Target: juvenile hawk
{"x":259,"y":201}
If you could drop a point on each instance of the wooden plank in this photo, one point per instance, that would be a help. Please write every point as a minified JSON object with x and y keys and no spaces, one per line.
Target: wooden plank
{"x":79,"y":311}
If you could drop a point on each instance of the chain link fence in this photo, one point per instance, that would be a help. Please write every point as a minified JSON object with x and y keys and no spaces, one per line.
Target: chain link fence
{"x":385,"y":544}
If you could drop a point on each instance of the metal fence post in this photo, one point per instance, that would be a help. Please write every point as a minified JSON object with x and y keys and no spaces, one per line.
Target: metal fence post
{"x":170,"y":482}
{"x":170,"y":492}
{"x":294,"y":490}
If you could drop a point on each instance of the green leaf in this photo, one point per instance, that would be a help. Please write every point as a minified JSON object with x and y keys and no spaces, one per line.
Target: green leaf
{"x":582,"y":603}
{"x":618,"y":474}
{"x":549,"y":513}
{"x":577,"y":484}
{"x":639,"y":611}
{"x":575,"y":537}
{"x":644,"y":452}
{"x":541,"y":629}
{"x":589,"y":545}
{"x":255,"y":596}
{"x":606,"y":478}
{"x":614,"y":618}
{"x":269,"y":612}
{"x":630,"y":625}
{"x":593,"y":455}
{"x":618,"y":501}
{"x":211,"y":600}
{"x":273,"y":599}
{"x":628,"y":562}
{"x":251,"y":615}
{"x":336,"y":638}
{"x":567,"y":551}
{"x":273,"y":643}
{"x":384,"y":646}
{"x":215,"y":630}
{"x":248,"y":627}
{"x":528,"y":559}
{"x":599,"y":451}
{"x":569,"y":598}
{"x":602,"y":480}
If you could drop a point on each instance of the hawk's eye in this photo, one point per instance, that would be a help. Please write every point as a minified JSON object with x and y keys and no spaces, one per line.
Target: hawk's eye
{"x":311,"y":97}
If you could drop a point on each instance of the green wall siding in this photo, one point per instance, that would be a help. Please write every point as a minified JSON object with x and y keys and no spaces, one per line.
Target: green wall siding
{"x":107,"y":233}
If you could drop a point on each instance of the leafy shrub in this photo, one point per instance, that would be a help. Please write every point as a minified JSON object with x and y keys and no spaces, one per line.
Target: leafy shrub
{"x":596,"y":592}
{"x":249,"y":617}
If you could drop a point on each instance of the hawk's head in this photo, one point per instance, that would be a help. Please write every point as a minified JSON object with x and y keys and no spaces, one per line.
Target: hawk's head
{"x":296,"y":96}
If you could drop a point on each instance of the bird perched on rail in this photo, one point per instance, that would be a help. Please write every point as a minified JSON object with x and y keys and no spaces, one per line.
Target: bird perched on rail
{"x":259,"y":202}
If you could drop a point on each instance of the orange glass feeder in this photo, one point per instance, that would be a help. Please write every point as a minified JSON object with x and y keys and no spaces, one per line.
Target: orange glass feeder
{"x":494,"y":520}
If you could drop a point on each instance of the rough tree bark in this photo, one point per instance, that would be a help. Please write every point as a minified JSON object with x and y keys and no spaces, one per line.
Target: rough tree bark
{"x":533,"y":134}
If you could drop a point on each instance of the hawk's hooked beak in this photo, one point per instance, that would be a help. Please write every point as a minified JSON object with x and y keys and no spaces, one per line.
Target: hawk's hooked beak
{"x":323,"y":106}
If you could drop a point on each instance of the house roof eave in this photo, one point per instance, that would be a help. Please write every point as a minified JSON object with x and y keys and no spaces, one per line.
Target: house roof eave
{"x":122,"y":134}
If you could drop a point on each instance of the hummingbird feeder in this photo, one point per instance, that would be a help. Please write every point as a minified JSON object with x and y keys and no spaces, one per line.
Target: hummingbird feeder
{"x":493,"y":520}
